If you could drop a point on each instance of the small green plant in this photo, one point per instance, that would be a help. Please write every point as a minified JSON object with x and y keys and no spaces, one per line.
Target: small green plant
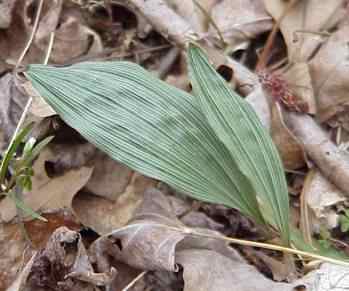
{"x":211,"y":145}
{"x":344,"y":221}
{"x":325,"y":238}
{"x":16,"y":168}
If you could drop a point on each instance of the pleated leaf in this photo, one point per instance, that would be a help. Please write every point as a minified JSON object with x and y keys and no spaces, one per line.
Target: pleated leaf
{"x":148,"y":125}
{"x":239,"y":128}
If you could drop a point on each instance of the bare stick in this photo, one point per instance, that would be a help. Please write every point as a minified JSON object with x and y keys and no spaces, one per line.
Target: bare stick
{"x":32,"y":35}
{"x":134,"y":281}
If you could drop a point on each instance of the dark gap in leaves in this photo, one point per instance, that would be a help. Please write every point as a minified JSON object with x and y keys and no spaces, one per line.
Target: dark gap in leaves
{"x":300,"y":288}
{"x":88,"y":235}
{"x":123,"y":15}
{"x":31,"y":11}
{"x":118,"y":243}
{"x":51,"y":169}
{"x":226,"y":72}
{"x":100,"y":12}
{"x":254,"y":260}
{"x":63,"y":133}
{"x":237,"y":55}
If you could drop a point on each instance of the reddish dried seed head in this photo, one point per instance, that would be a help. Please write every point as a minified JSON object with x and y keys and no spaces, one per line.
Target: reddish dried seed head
{"x":278,"y":89}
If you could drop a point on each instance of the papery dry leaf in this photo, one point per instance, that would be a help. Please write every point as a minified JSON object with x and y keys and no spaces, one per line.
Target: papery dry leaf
{"x":6,"y":10}
{"x":312,"y":16}
{"x":199,"y":219}
{"x":14,"y":39}
{"x":22,"y":277}
{"x":14,"y":249}
{"x":320,"y":197}
{"x":72,"y":37}
{"x":222,"y":273}
{"x":63,"y":265}
{"x":38,"y":107}
{"x":291,"y":152}
{"x":48,"y":193}
{"x":240,"y":21}
{"x":156,"y":240}
{"x":329,"y":277}
{"x":103,"y":215}
{"x":190,"y":11}
{"x":329,"y":71}
{"x":109,"y":178}
{"x":13,"y":253}
{"x":144,"y":243}
{"x":12,"y":102}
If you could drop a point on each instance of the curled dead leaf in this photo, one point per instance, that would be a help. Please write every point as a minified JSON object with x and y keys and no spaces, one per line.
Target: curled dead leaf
{"x":12,"y":102}
{"x":63,"y":264}
{"x":320,"y":197}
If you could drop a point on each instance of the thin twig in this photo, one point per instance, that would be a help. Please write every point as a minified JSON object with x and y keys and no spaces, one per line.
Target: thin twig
{"x":264,"y":56}
{"x":19,"y":61}
{"x":49,"y":48}
{"x":134,"y":281}
{"x":32,"y":35}
{"x":192,"y":232}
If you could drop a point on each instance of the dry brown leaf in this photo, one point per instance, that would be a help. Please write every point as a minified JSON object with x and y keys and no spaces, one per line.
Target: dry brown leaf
{"x":221,"y":273}
{"x":48,"y":193}
{"x":109,"y":178}
{"x":15,"y":250}
{"x":12,"y":102}
{"x":329,"y":277}
{"x":103,"y":215}
{"x":309,"y":16}
{"x":330,"y":71}
{"x":193,"y":14}
{"x":199,"y":219}
{"x":63,"y":265}
{"x":147,"y":244}
{"x":38,"y":107}
{"x":239,"y":21}
{"x":290,"y":150}
{"x":320,"y":197}
{"x":72,"y":37}
{"x":156,"y":240}
{"x":6,"y":9}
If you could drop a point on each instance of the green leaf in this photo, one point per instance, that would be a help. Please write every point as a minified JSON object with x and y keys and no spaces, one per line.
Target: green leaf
{"x":344,"y":223}
{"x":12,"y":150}
{"x":239,"y":128}
{"x":148,"y":125}
{"x":34,"y":151}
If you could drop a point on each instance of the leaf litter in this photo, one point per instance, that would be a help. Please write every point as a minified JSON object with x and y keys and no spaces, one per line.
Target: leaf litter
{"x":114,"y":187}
